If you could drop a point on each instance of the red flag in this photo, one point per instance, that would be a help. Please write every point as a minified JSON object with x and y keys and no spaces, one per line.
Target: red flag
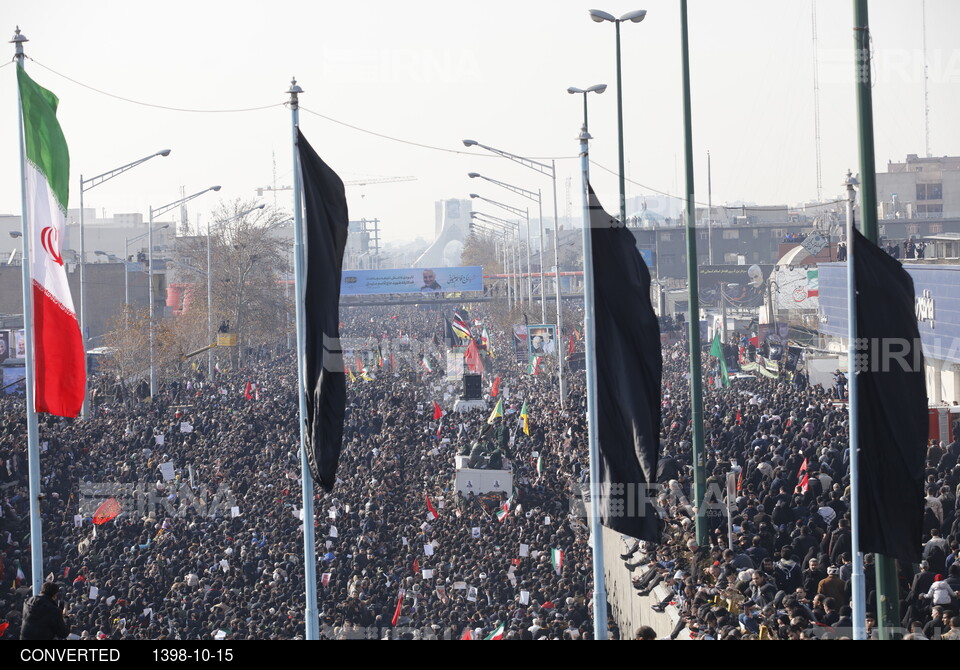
{"x":3,"y":628}
{"x":393,"y":363}
{"x":467,"y":634}
{"x":738,"y":417}
{"x":437,"y":412}
{"x":570,"y":347}
{"x":740,"y":482}
{"x":416,"y":565}
{"x":109,"y":509}
{"x":431,"y":512}
{"x":803,"y":477}
{"x":396,"y":614}
{"x":496,"y":387}
{"x":247,"y":392}
{"x":472,"y":358}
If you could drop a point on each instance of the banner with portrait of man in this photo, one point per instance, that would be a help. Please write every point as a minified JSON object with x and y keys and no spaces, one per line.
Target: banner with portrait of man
{"x":542,"y":340}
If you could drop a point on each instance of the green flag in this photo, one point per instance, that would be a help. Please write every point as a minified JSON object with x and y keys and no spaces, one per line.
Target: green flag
{"x":717,"y":351}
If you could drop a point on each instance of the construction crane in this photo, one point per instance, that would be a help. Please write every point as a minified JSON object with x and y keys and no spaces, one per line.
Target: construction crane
{"x":354,"y":182}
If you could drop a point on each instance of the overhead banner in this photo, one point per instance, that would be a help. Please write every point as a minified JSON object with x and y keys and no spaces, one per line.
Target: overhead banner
{"x":412,"y":280}
{"x":542,"y":339}
{"x":798,"y":288}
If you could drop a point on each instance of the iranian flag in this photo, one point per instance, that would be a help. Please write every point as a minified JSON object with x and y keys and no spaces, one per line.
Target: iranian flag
{"x":556,"y":558}
{"x":497,"y":633}
{"x":437,"y":411}
{"x":426,"y":364}
{"x":504,"y":510}
{"x":61,"y":376}
{"x":467,"y":634}
{"x":534,"y":367}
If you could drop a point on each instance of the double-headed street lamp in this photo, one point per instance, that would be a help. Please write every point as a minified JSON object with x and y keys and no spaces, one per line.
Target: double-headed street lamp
{"x":635,"y":16}
{"x":86,"y":185}
{"x":596,"y":88}
{"x":160,"y":211}
{"x":525,"y":215}
{"x":210,"y":284}
{"x":549,"y":171}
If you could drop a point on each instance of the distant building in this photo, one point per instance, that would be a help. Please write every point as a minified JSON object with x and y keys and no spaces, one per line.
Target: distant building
{"x":920,"y":188}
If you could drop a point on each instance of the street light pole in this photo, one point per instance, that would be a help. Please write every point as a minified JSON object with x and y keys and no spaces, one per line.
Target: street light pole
{"x":549,"y":171}
{"x":86,"y":185}
{"x":537,"y":198}
{"x":159,"y":211}
{"x":635,"y":17}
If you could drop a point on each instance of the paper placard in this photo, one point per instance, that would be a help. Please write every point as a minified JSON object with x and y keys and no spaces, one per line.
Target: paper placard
{"x":224,"y":564}
{"x":77,"y":520}
{"x":546,"y":521}
{"x":428,"y":549}
{"x":524,"y":550}
{"x":94,"y":593}
{"x":167,"y":470}
{"x":427,"y":573}
{"x":404,"y":541}
{"x":185,"y":427}
{"x":472,"y":594}
{"x":332,"y":532}
{"x":160,"y":439}
{"x":459,"y":586}
{"x":475,"y":532}
{"x":234,"y":512}
{"x":524,"y":597}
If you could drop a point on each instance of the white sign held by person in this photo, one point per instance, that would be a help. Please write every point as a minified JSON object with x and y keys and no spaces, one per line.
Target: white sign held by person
{"x":167,"y":470}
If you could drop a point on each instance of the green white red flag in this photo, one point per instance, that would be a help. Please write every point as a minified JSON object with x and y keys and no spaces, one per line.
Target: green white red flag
{"x":497,"y":633}
{"x":61,"y":376}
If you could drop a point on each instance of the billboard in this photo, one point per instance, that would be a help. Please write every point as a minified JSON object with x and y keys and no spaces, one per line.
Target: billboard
{"x":542,"y":340}
{"x":742,"y":286}
{"x":412,"y":280}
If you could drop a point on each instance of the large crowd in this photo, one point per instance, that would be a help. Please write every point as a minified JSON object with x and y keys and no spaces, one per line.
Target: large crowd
{"x":217,"y":552}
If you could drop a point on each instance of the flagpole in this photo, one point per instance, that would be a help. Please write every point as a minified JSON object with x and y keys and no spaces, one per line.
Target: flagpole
{"x":596,"y":530}
{"x":30,"y":397}
{"x":309,"y":545}
{"x":857,"y":578}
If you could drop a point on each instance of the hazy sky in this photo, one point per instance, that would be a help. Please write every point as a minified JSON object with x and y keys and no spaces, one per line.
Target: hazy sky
{"x":497,"y":72}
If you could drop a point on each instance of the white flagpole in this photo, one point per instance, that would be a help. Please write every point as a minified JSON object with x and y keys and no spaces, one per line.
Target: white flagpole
{"x":30,"y":398}
{"x":857,"y":578}
{"x":596,"y":529}
{"x":306,"y":483}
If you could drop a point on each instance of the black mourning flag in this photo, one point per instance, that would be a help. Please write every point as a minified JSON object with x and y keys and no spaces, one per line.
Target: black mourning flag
{"x":892,"y":411}
{"x":629,"y":371}
{"x":326,"y":236}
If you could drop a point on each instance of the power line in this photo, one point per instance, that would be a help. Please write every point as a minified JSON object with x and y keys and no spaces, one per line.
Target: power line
{"x":147,"y":104}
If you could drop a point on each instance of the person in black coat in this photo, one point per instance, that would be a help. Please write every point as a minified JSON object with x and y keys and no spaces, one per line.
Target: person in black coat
{"x":43,"y":617}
